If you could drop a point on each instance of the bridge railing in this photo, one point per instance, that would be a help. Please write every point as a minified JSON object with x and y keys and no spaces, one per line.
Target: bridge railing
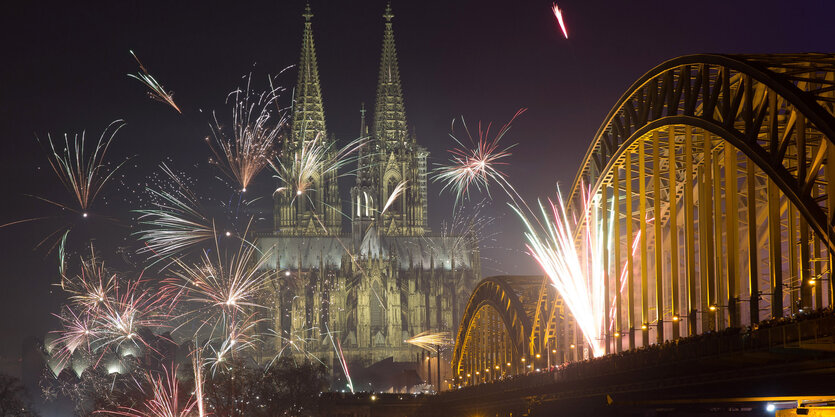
{"x":803,"y":332}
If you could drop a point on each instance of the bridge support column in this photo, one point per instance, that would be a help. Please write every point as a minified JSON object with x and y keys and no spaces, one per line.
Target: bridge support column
{"x":753,"y":257}
{"x":731,"y":225}
{"x":673,"y":225}
{"x":690,"y":233}
{"x":642,"y":218}
{"x":659,"y":239}
{"x":774,"y":249}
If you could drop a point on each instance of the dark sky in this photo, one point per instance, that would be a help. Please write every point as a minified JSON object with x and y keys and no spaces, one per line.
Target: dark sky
{"x":64,"y":67}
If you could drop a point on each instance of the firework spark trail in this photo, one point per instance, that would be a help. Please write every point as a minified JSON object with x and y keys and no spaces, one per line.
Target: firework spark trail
{"x":254,"y":131}
{"x":83,"y":173}
{"x":477,"y":164}
{"x":62,"y":255}
{"x":558,"y":15}
{"x":176,"y":223}
{"x":157,"y":92}
{"x":165,"y":400}
{"x":431,"y":341}
{"x":337,"y":347}
{"x":578,"y":275}
{"x":395,"y":194}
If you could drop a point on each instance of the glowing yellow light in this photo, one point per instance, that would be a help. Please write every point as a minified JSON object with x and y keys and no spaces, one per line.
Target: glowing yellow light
{"x":572,"y":346}
{"x":508,"y":364}
{"x":811,"y":282}
{"x":617,"y":334}
{"x":675,"y":318}
{"x":523,"y":359}
{"x":643,"y":327}
{"x":712,"y":308}
{"x":538,"y":356}
{"x":373,"y":398}
{"x":553,"y":351}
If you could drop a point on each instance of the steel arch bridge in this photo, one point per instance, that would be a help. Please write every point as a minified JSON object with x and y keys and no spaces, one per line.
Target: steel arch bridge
{"x":715,"y":178}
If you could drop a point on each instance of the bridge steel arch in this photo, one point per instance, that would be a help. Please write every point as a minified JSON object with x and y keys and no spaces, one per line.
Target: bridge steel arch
{"x":717,"y":173}
{"x":715,"y":178}
{"x":510,"y":325}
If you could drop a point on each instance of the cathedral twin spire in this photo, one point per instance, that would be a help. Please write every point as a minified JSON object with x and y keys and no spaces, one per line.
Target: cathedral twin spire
{"x":379,"y":171}
{"x":308,"y":111}
{"x":390,"y":110}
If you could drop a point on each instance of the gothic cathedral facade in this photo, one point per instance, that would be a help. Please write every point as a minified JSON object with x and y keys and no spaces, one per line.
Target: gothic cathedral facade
{"x":387,"y":277}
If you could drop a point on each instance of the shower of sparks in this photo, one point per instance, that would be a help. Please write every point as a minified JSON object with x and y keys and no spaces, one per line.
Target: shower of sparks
{"x":90,"y":289}
{"x":311,"y":159}
{"x":218,"y":293}
{"x":76,"y":333}
{"x":242,"y":154}
{"x":157,"y":92}
{"x":83,"y":172}
{"x":477,"y":164}
{"x":431,"y":341}
{"x":165,"y":399}
{"x":106,"y":311}
{"x":176,"y":223}
{"x":225,"y":284}
{"x":337,"y":347}
{"x":129,"y":308}
{"x":558,"y":15}
{"x":295,"y":344}
{"x":197,"y":368}
{"x":395,"y":194}
{"x":577,"y":274}
{"x":238,"y":334}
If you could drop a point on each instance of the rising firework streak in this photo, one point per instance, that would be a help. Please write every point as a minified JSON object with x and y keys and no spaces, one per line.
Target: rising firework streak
{"x":558,"y":15}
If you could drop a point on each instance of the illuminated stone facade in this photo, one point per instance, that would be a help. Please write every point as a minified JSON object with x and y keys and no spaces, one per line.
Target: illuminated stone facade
{"x":387,"y":277}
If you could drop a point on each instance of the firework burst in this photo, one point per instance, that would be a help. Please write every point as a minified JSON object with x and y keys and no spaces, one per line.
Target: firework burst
{"x":242,"y":154}
{"x":82,"y":171}
{"x":176,"y":223}
{"x":477,"y":164}
{"x":577,"y":273}
{"x":157,"y":92}
{"x":164,"y":401}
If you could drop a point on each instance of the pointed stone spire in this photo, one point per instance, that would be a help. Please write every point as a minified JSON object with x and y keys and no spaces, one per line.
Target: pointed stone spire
{"x":390,"y":112}
{"x":308,"y":112}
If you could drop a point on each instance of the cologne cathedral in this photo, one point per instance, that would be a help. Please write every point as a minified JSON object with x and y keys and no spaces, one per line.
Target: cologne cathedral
{"x":366,"y":288}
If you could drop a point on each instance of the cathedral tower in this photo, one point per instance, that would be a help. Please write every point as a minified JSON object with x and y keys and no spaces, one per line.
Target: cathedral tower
{"x":392,"y":157}
{"x":315,"y":210}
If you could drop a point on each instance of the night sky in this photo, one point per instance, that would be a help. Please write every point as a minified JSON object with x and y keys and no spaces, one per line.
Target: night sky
{"x":65,"y":64}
